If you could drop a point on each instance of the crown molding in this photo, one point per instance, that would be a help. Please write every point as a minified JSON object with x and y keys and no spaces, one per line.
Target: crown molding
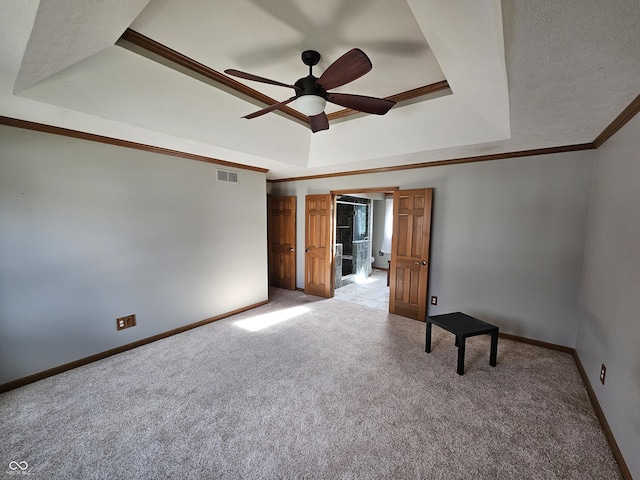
{"x":399,"y":97}
{"x":178,"y":58}
{"x":627,"y":114}
{"x":453,"y":161}
{"x":92,"y":137}
{"x":622,"y":119}
{"x":149,"y":45}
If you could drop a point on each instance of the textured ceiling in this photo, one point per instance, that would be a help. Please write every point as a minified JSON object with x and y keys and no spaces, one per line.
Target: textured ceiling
{"x":523,"y":75}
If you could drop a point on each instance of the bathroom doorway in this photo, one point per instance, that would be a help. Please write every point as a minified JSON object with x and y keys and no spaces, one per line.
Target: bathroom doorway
{"x":354,"y":219}
{"x":361,"y":266}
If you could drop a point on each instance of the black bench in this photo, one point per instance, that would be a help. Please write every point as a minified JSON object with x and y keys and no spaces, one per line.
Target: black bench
{"x":463,"y":326}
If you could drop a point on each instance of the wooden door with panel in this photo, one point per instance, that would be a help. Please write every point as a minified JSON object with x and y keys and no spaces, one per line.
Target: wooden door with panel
{"x":409,"y":270}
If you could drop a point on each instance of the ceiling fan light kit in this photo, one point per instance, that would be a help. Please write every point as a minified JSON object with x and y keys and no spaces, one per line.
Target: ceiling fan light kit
{"x":310,"y":104}
{"x":312,"y":93}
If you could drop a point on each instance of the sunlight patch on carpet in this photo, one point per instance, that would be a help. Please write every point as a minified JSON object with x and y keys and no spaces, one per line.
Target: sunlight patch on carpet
{"x":260,"y":322}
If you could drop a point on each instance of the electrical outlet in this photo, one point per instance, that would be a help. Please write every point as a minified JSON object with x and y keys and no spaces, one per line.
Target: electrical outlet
{"x":603,"y":373}
{"x":125,"y":322}
{"x":434,"y":300}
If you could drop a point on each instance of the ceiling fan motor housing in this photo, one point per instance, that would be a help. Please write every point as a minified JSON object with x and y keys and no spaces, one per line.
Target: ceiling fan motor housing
{"x":308,"y":86}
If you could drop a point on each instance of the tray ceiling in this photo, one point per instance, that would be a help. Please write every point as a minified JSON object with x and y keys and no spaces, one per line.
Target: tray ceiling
{"x":522,"y":75}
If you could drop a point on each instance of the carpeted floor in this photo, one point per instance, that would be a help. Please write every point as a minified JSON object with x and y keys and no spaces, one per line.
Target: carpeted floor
{"x":309,"y":388}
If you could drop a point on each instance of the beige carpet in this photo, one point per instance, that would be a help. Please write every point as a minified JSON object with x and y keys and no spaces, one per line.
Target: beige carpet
{"x":309,"y":388}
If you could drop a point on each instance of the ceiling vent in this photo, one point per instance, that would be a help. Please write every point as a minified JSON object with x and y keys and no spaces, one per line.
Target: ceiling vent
{"x":227,"y":176}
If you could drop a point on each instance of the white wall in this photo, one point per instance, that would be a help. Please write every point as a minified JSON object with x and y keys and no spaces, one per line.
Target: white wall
{"x":609,"y":325}
{"x":507,"y":237}
{"x":92,"y":232}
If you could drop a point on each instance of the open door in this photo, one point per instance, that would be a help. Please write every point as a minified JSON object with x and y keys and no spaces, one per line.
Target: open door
{"x":409,"y":273}
{"x":282,"y":242}
{"x":318,"y":255}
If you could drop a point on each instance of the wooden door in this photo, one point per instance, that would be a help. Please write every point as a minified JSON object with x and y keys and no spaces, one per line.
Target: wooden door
{"x":318,"y":257}
{"x":282,"y":242}
{"x":410,"y":253}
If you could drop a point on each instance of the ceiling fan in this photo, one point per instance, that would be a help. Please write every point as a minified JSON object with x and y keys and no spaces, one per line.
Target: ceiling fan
{"x":312,"y":92}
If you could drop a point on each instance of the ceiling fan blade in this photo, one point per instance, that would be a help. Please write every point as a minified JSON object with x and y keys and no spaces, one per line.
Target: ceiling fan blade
{"x":378,"y":106}
{"x":256,"y":78}
{"x":347,"y":68}
{"x":319,"y":122}
{"x":270,"y":108}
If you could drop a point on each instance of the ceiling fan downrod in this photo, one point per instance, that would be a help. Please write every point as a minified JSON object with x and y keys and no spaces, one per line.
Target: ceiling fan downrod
{"x":308,"y":85}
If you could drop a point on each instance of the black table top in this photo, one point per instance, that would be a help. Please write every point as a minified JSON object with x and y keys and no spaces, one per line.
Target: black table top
{"x":459,"y":323}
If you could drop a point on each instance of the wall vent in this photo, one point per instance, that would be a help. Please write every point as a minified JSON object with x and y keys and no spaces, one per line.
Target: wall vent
{"x":227,"y":176}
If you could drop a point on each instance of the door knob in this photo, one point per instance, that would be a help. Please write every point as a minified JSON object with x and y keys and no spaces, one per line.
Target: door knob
{"x":292,"y":249}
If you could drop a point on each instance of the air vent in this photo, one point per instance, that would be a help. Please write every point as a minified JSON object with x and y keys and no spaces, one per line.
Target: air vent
{"x":227,"y":176}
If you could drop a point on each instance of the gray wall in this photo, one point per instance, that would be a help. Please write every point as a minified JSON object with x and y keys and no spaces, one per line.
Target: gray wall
{"x":609,"y":325}
{"x":92,"y":232}
{"x":507,"y":237}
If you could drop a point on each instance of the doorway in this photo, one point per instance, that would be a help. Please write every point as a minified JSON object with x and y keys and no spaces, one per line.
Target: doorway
{"x":354,"y":220}
{"x":281,"y":238}
{"x":361,"y":268}
{"x":409,"y":267}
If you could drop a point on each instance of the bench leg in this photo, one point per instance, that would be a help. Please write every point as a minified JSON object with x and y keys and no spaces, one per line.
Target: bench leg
{"x":494,"y":348}
{"x":460,"y":341}
{"x":427,"y":347}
